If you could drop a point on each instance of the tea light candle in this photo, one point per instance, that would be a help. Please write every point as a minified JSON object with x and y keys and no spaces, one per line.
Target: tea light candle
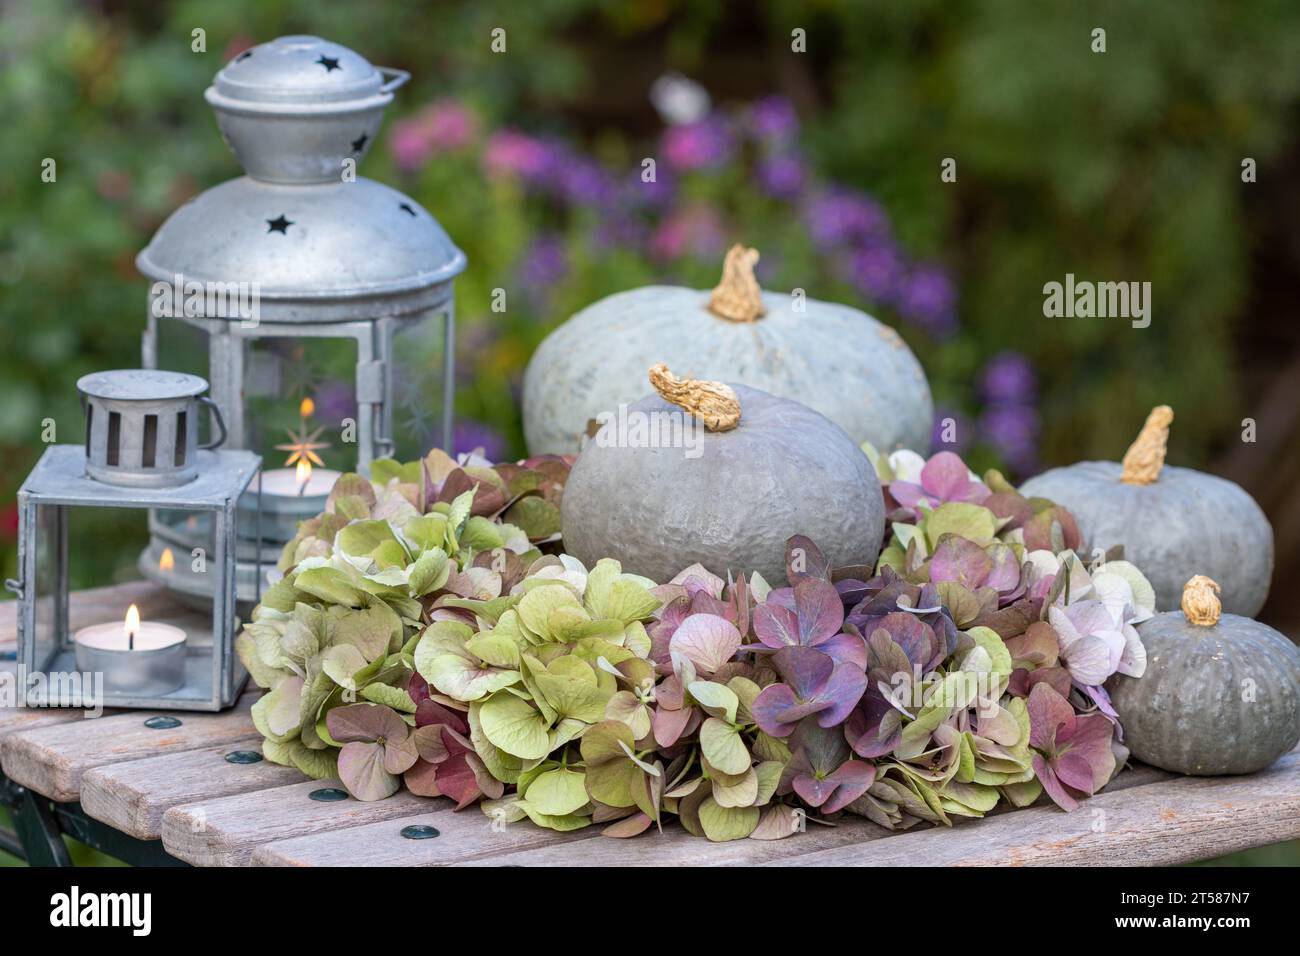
{"x":135,"y":657}
{"x":304,"y":481}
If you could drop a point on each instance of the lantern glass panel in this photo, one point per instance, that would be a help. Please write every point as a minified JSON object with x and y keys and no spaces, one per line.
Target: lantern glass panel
{"x":48,"y":611}
{"x":418,"y":400}
{"x":285,"y":376}
{"x":63,"y":514}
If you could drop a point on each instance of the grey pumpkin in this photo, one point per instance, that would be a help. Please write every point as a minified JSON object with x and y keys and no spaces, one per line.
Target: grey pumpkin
{"x":1173,"y":522}
{"x":839,"y":361}
{"x":766,"y":468}
{"x":1220,"y":695}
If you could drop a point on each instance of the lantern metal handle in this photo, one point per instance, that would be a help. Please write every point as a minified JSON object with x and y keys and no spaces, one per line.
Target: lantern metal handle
{"x":217,"y":420}
{"x":395,"y":79}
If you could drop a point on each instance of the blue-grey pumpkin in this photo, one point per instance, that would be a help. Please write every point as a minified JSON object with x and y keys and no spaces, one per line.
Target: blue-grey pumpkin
{"x":838,"y":361}
{"x":1173,"y":522}
{"x":751,"y":470}
{"x":1221,"y":693}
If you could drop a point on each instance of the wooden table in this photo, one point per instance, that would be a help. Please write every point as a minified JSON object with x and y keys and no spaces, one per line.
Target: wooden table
{"x":168,"y":795}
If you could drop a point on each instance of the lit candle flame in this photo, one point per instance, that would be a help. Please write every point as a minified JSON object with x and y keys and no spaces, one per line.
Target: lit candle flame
{"x":131,"y":626}
{"x":307,"y":409}
{"x":167,"y":561}
{"x":302,"y":473}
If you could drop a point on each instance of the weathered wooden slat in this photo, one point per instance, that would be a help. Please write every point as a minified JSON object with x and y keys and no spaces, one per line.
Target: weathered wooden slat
{"x":462,"y":836}
{"x":51,"y":760}
{"x":225,"y":832}
{"x":1176,"y":821}
{"x":675,"y":847}
{"x":133,"y":796}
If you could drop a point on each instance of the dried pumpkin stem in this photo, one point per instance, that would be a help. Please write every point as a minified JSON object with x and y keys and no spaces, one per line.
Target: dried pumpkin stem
{"x":1146,"y":456}
{"x":713,"y":403}
{"x":738,"y":297}
{"x":1201,"y":604}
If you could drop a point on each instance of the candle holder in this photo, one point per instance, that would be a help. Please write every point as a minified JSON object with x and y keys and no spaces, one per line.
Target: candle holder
{"x":133,"y":459}
{"x":303,"y":281}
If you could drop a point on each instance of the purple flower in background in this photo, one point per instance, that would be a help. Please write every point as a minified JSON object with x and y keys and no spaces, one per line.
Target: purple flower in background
{"x":469,"y":435}
{"x":695,"y":230}
{"x":335,"y":401}
{"x":511,"y":153}
{"x":441,"y":126}
{"x":545,"y":263}
{"x":876,"y":270}
{"x":773,"y":120}
{"x":638,"y":194}
{"x":926,"y":296}
{"x":781,"y":175}
{"x":951,"y":432}
{"x":1013,"y":431}
{"x":839,"y":216}
{"x":1008,"y":377}
{"x":703,"y":145}
{"x":582,"y":181}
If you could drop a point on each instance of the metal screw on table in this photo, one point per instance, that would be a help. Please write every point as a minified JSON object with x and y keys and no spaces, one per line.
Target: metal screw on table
{"x":420,"y":832}
{"x":162,"y":723}
{"x":328,"y":795}
{"x":243,"y":756}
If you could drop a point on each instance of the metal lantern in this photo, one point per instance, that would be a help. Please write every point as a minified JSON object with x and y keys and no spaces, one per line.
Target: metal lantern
{"x":301,"y":278}
{"x":141,"y":452}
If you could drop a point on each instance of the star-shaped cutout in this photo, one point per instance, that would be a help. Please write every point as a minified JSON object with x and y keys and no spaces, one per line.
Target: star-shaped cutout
{"x":330,"y":63}
{"x":359,"y":143}
{"x":303,"y":445}
{"x":279,"y":224}
{"x":406,"y":208}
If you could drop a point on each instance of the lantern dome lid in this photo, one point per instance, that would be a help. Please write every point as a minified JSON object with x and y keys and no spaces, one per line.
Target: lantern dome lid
{"x":319,"y":252}
{"x":301,"y":74}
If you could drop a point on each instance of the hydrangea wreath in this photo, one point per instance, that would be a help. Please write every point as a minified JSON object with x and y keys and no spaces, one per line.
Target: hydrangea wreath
{"x":421,"y":636}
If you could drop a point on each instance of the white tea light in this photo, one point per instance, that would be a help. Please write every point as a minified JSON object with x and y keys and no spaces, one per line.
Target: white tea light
{"x":136,"y":657}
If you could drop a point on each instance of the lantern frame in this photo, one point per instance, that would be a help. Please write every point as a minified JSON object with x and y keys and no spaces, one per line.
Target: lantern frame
{"x":214,"y":677}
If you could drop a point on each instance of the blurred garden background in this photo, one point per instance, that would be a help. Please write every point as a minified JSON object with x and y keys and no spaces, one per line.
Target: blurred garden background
{"x":1123,"y":165}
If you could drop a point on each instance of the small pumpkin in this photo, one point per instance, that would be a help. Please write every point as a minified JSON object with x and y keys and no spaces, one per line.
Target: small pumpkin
{"x":1173,"y":522}
{"x":856,"y":371}
{"x":752,"y":470}
{"x":1221,"y":693}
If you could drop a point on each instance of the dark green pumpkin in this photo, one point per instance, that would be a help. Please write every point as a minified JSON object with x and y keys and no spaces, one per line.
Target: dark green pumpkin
{"x":1220,"y":695}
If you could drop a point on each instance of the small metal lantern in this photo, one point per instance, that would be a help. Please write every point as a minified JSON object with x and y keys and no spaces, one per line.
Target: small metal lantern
{"x":316,"y":258}
{"x":142,"y":426}
{"x":184,"y":662}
